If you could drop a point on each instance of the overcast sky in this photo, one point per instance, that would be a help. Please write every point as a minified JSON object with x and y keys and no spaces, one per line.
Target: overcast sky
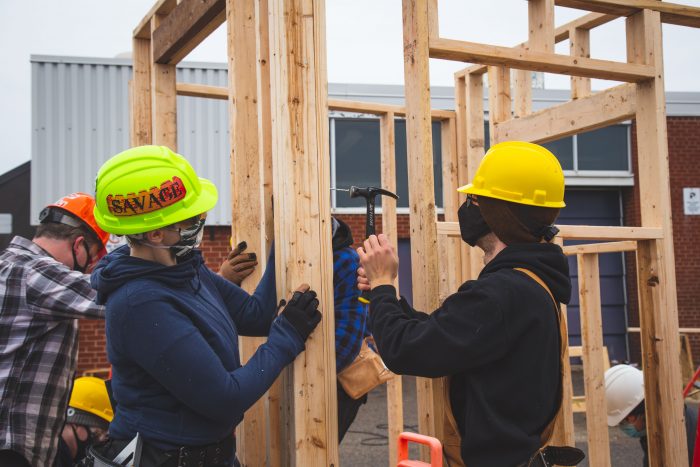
{"x":364,"y":45}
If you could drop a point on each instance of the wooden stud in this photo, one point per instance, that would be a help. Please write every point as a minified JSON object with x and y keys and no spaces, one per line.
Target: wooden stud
{"x":597,"y":248}
{"x":598,"y":110}
{"x":541,"y":25}
{"x":185,"y":27}
{"x":163,"y":100}
{"x":451,"y":265}
{"x":376,"y":108}
{"x":580,"y":46}
{"x":248,"y":216}
{"x":680,"y":330}
{"x":161,"y":7}
{"x":421,"y":192}
{"x":302,"y":213}
{"x":394,"y":392}
{"x":579,"y":232}
{"x":593,"y":364}
{"x":463,"y":134}
{"x":141,"y":114}
{"x":522,"y":93}
{"x":671,"y":13}
{"x":202,"y":90}
{"x":463,"y":51}
{"x":655,"y":260}
{"x":433,"y":25}
{"x":499,"y":98}
{"x":564,"y":428}
{"x":476,"y":148}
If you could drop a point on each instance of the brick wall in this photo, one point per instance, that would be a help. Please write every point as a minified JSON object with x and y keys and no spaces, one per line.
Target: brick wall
{"x":684,"y":149}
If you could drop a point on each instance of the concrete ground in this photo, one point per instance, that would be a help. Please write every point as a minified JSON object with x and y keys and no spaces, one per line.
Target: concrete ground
{"x":366,"y":442}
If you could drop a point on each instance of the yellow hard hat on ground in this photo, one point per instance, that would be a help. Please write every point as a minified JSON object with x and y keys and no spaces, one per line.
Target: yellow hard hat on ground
{"x":147,"y":188}
{"x":89,"y":403}
{"x":519,"y":172}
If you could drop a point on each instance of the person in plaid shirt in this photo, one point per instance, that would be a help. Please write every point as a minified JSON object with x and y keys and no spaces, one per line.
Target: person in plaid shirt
{"x":350,"y":318}
{"x":44,"y":290}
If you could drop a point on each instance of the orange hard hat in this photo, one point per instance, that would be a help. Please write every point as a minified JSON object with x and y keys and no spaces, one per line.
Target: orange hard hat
{"x":78,"y":205}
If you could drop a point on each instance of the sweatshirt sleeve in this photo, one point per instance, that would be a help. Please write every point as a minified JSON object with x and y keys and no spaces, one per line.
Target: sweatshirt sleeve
{"x":171,"y":349}
{"x":468,"y":330}
{"x":253,"y":314}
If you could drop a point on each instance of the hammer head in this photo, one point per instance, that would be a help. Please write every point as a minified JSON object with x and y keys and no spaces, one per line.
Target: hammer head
{"x":370,"y":192}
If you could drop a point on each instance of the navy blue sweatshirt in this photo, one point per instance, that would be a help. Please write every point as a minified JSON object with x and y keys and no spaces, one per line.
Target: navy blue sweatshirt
{"x":172,"y":339}
{"x":498,"y":338}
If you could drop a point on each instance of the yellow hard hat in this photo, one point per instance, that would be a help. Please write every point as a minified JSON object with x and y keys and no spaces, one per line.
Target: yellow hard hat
{"x":519,"y":172}
{"x":90,"y":395}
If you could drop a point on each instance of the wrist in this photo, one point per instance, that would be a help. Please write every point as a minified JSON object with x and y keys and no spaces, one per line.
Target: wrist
{"x":380,"y":281}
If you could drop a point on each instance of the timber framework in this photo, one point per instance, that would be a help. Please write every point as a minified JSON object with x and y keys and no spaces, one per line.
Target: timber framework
{"x":278,"y":114}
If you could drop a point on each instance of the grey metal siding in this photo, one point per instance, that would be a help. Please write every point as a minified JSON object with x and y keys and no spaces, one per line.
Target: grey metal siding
{"x":80,"y":118}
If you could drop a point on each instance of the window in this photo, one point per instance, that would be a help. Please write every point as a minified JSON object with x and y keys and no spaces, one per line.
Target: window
{"x":356,"y":159}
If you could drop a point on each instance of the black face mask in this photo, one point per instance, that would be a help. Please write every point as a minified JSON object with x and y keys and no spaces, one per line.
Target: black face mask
{"x":81,"y":267}
{"x":471,"y":225}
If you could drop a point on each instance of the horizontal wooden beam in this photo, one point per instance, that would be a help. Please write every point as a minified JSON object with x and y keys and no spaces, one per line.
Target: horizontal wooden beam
{"x":680,"y":330}
{"x":598,"y":248}
{"x":186,"y":27}
{"x":671,"y":13}
{"x":162,"y":7}
{"x":522,"y":59}
{"x":202,"y":90}
{"x":374,"y":108}
{"x":587,"y":22}
{"x":588,"y":113}
{"x":579,"y":232}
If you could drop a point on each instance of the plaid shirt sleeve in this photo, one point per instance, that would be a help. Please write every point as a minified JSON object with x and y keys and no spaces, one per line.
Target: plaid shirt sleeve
{"x":56,"y":292}
{"x":350,"y":314}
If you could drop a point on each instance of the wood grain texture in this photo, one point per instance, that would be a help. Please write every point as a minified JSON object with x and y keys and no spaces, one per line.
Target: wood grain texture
{"x":141,"y":111}
{"x":163,"y":99}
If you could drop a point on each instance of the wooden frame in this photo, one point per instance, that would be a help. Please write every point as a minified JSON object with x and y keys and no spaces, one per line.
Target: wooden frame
{"x":278,"y":109}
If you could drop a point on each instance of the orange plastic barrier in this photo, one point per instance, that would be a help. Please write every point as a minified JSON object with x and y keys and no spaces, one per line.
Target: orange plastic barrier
{"x":433,"y":443}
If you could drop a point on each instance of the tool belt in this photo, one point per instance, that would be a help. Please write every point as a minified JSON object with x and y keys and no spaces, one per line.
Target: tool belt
{"x":364,"y":373}
{"x":210,"y":455}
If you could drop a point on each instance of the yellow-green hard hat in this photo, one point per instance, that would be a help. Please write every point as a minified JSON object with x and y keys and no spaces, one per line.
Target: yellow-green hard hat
{"x":149,"y":187}
{"x":519,"y":172}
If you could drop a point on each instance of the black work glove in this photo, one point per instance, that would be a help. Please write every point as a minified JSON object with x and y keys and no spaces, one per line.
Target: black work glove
{"x":302,"y":313}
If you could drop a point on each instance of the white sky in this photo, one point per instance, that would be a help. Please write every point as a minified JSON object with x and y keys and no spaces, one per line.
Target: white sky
{"x":364,"y":45}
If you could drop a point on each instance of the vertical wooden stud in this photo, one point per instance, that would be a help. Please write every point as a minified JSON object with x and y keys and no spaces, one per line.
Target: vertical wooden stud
{"x":163,"y":99}
{"x":462,"y":113}
{"x":657,"y":275}
{"x":421,"y":192}
{"x":394,"y":394}
{"x":434,"y":25}
{"x":593,"y":362}
{"x":499,"y":98}
{"x":452,"y":256}
{"x":522,"y":93}
{"x":141,"y":123}
{"x":302,"y":212}
{"x":247,"y":179}
{"x":580,"y":45}
{"x":476,"y":148}
{"x":564,"y":428}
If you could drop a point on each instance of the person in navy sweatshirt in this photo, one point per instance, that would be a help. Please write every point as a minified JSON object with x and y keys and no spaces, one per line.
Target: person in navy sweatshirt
{"x":172,"y":324}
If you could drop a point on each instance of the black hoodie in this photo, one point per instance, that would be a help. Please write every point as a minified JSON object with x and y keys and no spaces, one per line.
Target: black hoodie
{"x":498,"y":338}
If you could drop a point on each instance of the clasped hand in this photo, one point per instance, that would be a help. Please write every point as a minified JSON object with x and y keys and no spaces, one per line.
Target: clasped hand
{"x":379,"y":263}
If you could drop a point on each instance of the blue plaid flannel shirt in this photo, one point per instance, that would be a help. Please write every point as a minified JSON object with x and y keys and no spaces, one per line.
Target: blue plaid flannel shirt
{"x":350,"y":314}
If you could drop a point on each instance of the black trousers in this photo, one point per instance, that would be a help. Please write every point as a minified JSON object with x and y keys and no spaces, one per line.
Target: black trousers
{"x":347,"y":411}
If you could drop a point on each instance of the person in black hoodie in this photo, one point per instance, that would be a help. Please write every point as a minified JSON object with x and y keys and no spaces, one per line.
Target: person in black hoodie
{"x":498,"y":337}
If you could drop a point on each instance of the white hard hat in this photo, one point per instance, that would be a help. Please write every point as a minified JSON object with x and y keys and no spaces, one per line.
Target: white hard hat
{"x":624,"y":390}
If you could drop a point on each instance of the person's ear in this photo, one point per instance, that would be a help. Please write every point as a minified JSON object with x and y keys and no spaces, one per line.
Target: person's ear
{"x":76,"y":243}
{"x":155,"y":236}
